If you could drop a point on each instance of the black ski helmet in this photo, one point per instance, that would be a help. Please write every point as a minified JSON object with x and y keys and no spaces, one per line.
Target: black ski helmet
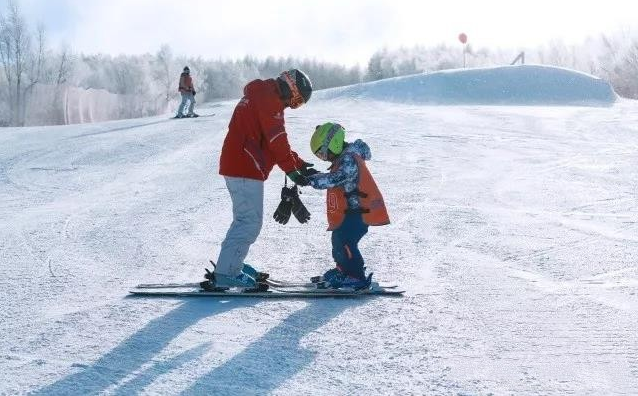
{"x":186,"y":69}
{"x":295,"y":86}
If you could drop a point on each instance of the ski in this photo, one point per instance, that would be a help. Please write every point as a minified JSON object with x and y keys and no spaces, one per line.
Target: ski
{"x":166,"y":285}
{"x":318,"y":293}
{"x":313,"y":285}
{"x":372,"y":291}
{"x":316,"y":282}
{"x":269,"y":282}
{"x":191,"y":117}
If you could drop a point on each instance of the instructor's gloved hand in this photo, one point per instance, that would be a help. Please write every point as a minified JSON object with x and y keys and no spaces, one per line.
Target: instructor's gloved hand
{"x":298,"y":208}
{"x":283,"y":211}
{"x":298,"y":178}
{"x":194,"y":93}
{"x":307,"y":169}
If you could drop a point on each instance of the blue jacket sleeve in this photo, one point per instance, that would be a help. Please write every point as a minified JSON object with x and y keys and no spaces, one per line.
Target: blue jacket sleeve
{"x":346,"y":172}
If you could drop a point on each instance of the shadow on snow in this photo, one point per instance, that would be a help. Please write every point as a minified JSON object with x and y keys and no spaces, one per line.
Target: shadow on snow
{"x":140,"y":348}
{"x":273,"y":358}
{"x":263,"y":366}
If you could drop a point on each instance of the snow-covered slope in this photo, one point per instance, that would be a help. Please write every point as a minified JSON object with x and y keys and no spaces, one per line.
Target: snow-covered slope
{"x":508,"y":85}
{"x":514,"y":231}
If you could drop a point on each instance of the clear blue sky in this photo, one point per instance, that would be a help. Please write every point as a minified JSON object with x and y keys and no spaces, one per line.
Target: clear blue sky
{"x":344,"y":31}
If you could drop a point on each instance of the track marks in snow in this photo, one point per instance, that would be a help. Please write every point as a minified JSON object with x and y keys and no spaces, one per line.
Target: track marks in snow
{"x":511,"y":230}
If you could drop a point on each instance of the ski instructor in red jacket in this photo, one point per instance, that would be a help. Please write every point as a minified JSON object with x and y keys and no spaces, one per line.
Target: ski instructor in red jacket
{"x":255,"y":143}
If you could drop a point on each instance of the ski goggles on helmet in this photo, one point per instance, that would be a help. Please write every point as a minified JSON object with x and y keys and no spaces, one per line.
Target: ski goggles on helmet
{"x":322,"y":155}
{"x":296,"y":99}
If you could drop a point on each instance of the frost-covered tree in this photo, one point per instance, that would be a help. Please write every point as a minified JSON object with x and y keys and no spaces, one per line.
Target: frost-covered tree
{"x":618,"y":63}
{"x":164,"y":71}
{"x":23,"y":62}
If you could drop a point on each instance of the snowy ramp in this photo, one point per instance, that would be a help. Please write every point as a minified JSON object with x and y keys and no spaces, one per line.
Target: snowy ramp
{"x":505,"y":85}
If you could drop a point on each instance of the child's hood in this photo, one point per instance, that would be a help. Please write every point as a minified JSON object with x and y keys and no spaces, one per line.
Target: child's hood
{"x":360,"y":148}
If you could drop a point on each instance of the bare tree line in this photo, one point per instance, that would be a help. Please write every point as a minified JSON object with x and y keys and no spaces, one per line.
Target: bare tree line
{"x":40,"y":86}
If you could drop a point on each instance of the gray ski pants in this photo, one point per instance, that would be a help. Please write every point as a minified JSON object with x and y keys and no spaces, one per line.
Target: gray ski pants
{"x":247,"y":196}
{"x":186,"y":97}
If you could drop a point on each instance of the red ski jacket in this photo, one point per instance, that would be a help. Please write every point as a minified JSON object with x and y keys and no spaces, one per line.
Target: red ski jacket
{"x":257,"y":138}
{"x":185,"y":83}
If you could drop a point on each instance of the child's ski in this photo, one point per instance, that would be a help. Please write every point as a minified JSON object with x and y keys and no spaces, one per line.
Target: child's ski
{"x":313,"y":285}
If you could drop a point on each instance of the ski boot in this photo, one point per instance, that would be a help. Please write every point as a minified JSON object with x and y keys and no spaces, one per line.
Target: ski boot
{"x":210,"y":283}
{"x":179,"y":116}
{"x":329,"y":275}
{"x":260,"y":277}
{"x":242,"y":280}
{"x":192,"y":115}
{"x":355,"y":283}
{"x":220,"y":282}
{"x":335,"y":279}
{"x":249,"y":270}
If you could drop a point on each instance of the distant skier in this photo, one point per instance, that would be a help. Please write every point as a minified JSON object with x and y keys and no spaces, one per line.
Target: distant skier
{"x":255,"y":142}
{"x":353,"y":202}
{"x":188,"y":94}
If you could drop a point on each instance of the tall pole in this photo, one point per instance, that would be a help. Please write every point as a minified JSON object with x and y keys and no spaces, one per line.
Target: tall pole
{"x":464,"y":53}
{"x":463,"y":40}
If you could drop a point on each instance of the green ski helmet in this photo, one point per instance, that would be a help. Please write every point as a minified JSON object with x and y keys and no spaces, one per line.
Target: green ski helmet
{"x":329,"y":136}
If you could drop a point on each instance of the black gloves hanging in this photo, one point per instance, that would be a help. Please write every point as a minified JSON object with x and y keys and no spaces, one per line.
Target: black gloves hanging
{"x":298,"y":208}
{"x":291,"y":204}
{"x":283,"y":211}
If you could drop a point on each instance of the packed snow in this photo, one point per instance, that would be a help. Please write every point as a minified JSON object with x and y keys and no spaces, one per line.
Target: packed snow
{"x":514,"y":233}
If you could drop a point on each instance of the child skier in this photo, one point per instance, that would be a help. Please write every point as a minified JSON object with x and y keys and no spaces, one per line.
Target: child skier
{"x":353,"y":202}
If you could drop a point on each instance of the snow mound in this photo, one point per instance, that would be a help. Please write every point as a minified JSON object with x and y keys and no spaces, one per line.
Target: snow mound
{"x":504,"y":85}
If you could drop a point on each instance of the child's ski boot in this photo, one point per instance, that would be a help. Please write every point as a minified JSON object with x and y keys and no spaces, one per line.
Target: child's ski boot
{"x":335,"y":279}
